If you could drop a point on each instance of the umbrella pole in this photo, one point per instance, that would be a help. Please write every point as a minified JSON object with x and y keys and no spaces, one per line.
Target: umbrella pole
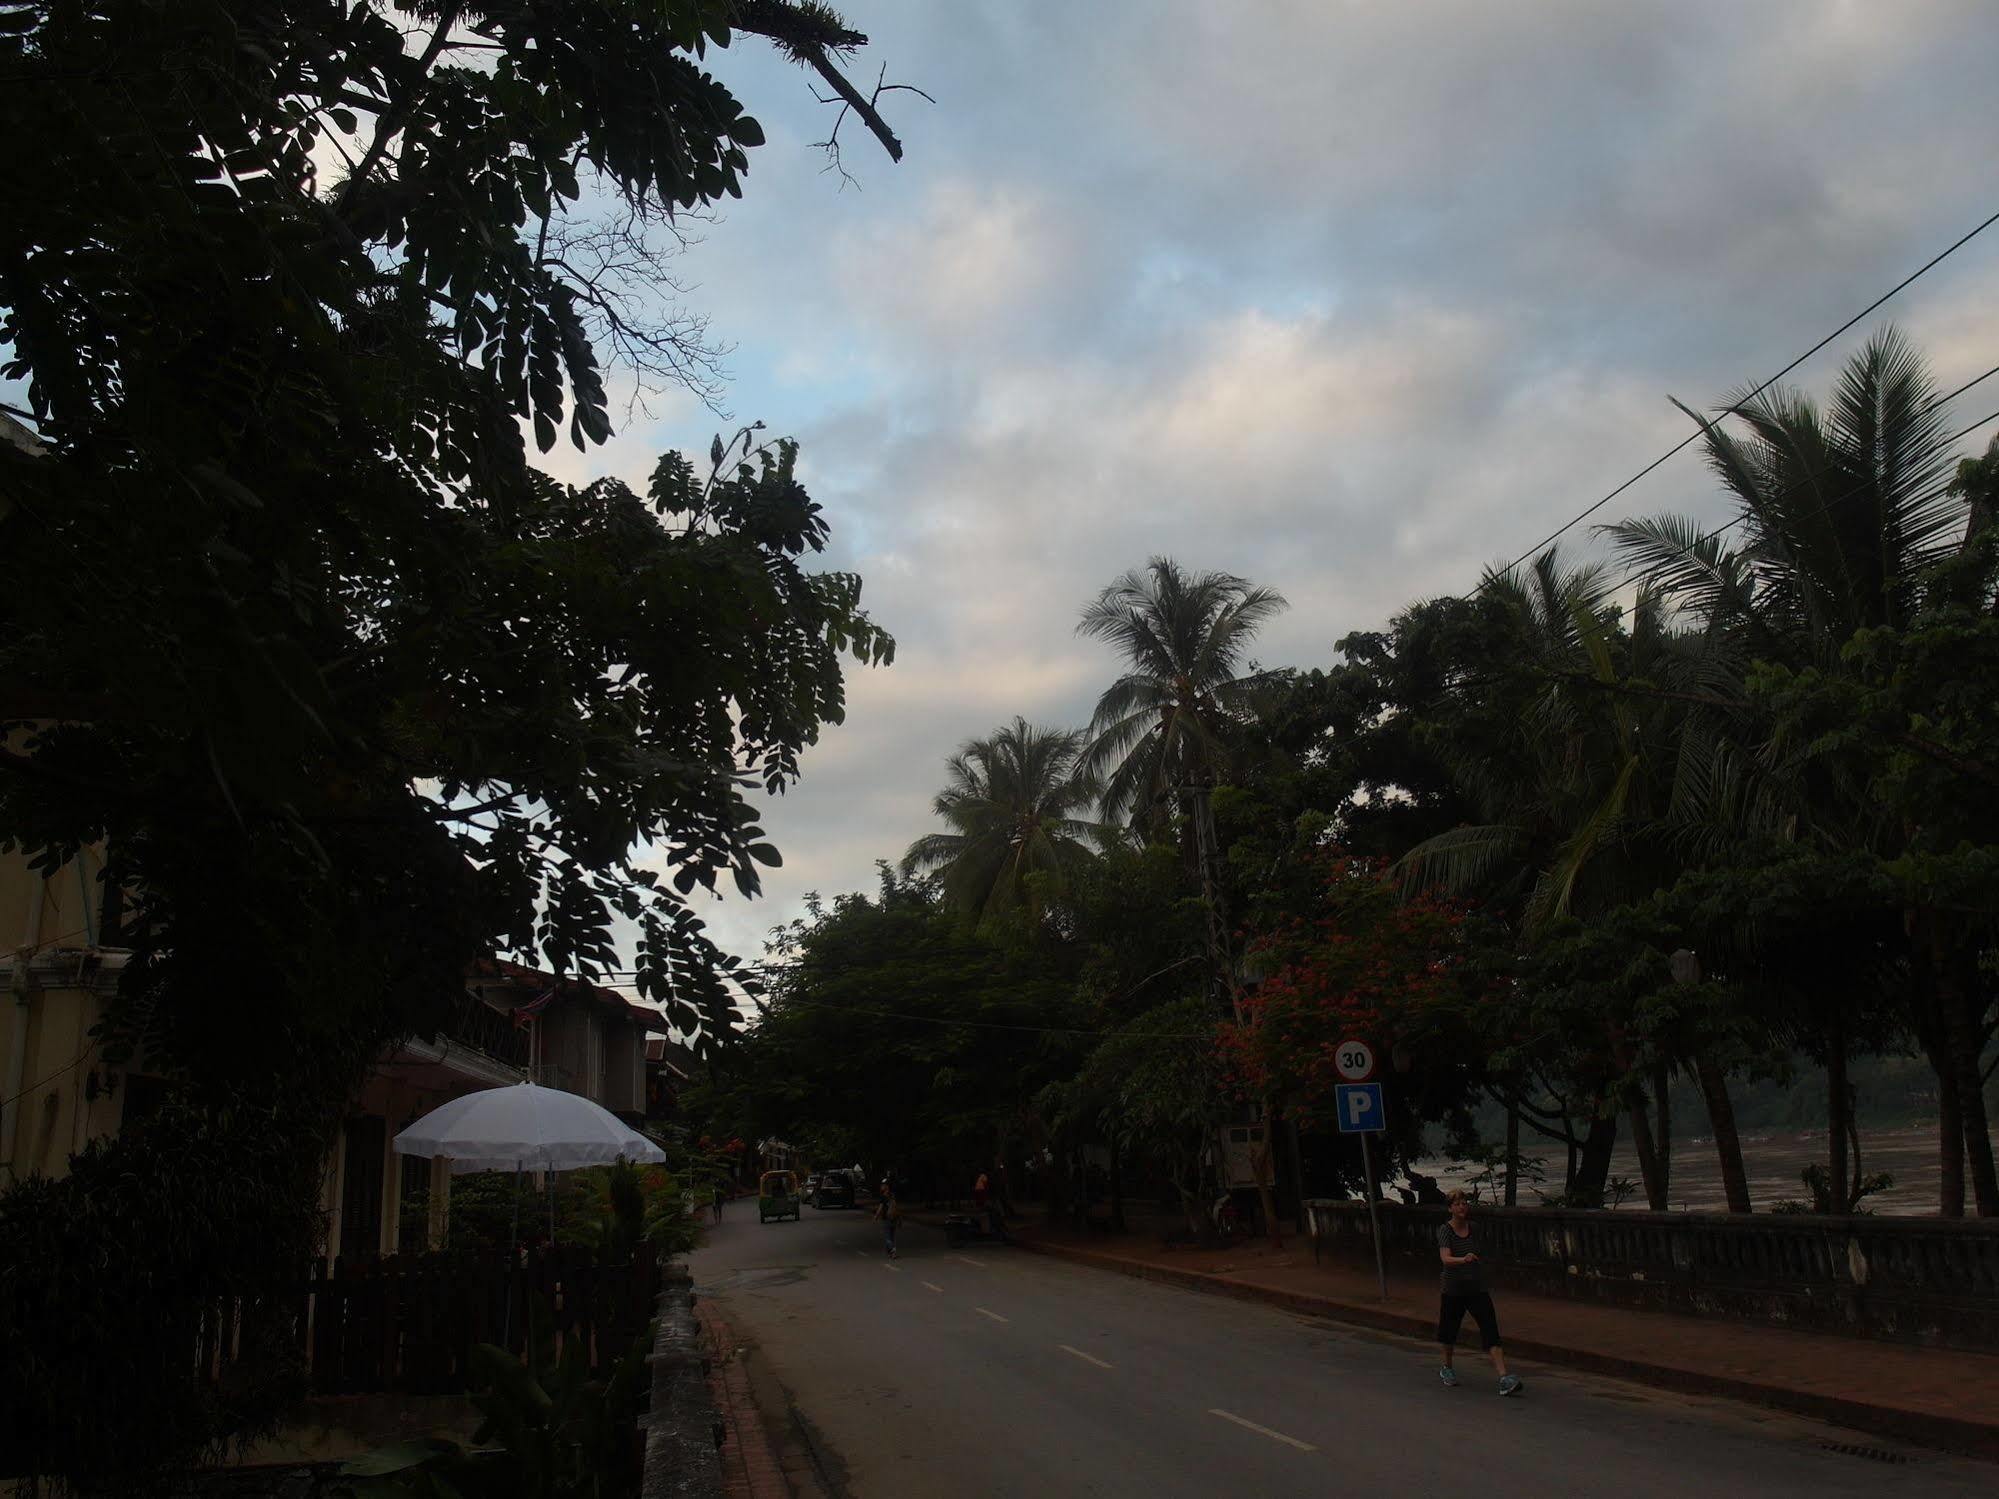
{"x":513,"y":1256}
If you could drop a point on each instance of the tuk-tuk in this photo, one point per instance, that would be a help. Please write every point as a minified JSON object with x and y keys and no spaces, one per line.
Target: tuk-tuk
{"x":777,"y":1196}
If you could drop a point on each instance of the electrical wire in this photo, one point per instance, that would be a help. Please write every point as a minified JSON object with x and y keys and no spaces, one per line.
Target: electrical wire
{"x":1692,"y":437}
{"x":1642,"y":574}
{"x":995,"y":1025}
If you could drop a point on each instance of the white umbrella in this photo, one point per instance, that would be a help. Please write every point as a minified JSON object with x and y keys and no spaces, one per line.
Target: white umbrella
{"x":524,"y":1128}
{"x":527,"y":1128}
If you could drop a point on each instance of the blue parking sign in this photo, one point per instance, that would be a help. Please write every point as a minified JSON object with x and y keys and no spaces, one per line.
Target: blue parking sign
{"x":1360,"y":1109}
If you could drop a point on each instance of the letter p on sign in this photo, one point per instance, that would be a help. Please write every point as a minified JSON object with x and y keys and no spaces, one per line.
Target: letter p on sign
{"x":1359,"y":1108}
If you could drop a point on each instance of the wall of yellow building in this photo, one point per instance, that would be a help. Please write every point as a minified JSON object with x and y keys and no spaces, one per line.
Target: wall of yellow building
{"x":54,"y":1096}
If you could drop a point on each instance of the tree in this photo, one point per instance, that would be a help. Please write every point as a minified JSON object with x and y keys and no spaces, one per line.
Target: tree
{"x":1011,"y":803}
{"x":1846,"y":515}
{"x":1362,"y":960}
{"x":914,"y":1040}
{"x":1158,"y":730}
{"x":350,"y":693}
{"x":1158,"y":734}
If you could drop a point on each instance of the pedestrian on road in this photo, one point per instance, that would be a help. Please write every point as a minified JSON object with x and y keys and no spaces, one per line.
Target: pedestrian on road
{"x":988,"y":1209}
{"x":890,"y":1213}
{"x":718,"y":1202}
{"x":1465,"y":1290}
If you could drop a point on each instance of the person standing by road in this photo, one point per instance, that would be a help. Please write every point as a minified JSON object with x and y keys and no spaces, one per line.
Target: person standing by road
{"x":890,"y":1213}
{"x":988,"y":1209}
{"x":1460,"y":1249}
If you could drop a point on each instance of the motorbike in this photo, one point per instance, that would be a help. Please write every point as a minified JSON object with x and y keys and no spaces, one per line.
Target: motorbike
{"x":966,"y":1228}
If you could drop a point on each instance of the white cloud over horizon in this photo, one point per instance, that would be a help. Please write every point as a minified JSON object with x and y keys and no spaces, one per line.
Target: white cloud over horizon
{"x":1352,"y":300}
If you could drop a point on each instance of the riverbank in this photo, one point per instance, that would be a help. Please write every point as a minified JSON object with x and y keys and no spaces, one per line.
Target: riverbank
{"x":1773,"y":1162}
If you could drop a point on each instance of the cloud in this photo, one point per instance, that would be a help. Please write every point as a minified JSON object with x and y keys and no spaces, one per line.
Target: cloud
{"x":1352,"y":300}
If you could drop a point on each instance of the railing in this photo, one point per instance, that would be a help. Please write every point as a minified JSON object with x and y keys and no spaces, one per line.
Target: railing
{"x":1932,"y":1281}
{"x":478,"y":1024}
{"x":409,"y":1323}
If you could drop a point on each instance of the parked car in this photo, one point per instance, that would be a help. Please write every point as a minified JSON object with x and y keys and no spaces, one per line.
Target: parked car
{"x":835,"y":1189}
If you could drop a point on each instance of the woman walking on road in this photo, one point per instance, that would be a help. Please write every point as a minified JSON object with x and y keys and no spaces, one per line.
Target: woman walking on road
{"x":890,"y":1213}
{"x":1465,"y":1290}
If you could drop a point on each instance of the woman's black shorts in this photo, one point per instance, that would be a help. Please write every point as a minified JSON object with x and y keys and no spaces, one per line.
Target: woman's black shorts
{"x":1452,"y":1316}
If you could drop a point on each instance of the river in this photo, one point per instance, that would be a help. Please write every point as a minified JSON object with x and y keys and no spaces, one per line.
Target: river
{"x":1773,"y":1162}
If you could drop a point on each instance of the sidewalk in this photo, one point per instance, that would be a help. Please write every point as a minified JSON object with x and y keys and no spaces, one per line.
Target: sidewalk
{"x":1932,"y":1397}
{"x":752,"y":1465}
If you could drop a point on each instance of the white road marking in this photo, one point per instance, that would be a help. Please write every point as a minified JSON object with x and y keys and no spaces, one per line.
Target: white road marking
{"x":1085,"y":1357}
{"x":1275,"y":1436}
{"x":887,"y":1266}
{"x":984,"y":1313}
{"x":967,"y":1259}
{"x":928,"y":1287}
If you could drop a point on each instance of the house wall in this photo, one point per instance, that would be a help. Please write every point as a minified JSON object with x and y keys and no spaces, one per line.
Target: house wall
{"x":624,"y":1068}
{"x":55,"y":1095}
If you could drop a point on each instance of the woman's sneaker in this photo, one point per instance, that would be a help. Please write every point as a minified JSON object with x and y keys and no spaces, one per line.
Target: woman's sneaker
{"x":1449,"y":1376}
{"x":1510,"y":1385}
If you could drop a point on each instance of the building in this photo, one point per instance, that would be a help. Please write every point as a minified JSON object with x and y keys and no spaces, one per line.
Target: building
{"x":58,"y":938}
{"x":669,"y":1068}
{"x":513,"y":1022}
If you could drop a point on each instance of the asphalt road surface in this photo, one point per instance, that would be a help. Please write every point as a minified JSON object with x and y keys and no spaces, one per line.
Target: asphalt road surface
{"x":993,"y":1373}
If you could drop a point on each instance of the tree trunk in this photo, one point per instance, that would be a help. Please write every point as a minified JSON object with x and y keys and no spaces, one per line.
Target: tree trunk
{"x":1727,"y":1141}
{"x":1950,"y":1142}
{"x":1593,"y":1168}
{"x":1117,"y":1190}
{"x":1838,"y":1108}
{"x":1512,"y":1152}
{"x":1222,"y":965}
{"x":1648,"y":1154}
{"x":1962,"y":1002}
{"x":1927,"y":1012}
{"x":1662,"y":1104}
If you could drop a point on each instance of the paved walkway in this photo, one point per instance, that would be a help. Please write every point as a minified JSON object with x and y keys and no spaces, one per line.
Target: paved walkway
{"x":1936,"y":1397}
{"x":751,"y":1468}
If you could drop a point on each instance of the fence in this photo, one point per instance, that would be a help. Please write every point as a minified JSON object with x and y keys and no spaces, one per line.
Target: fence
{"x":408,"y":1324}
{"x":1908,"y":1280}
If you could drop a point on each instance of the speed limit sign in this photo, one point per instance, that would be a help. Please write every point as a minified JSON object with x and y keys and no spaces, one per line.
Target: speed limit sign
{"x":1354,"y":1060}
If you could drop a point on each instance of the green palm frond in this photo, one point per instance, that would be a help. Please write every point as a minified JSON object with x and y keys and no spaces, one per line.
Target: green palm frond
{"x":1184,"y":637}
{"x":1012,"y":803}
{"x":1463,"y":860}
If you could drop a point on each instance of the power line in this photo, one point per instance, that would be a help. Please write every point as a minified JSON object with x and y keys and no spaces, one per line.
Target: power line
{"x":995,"y":1025}
{"x":1840,"y":498}
{"x":1693,"y":436}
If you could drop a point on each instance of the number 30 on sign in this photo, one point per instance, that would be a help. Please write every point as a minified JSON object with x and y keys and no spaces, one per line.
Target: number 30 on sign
{"x":1354,"y":1060}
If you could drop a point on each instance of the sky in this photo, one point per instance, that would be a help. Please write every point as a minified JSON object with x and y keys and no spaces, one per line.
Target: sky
{"x":1351,"y":299}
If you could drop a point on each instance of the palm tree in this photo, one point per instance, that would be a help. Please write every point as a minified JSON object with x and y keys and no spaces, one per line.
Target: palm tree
{"x":1572,"y":799}
{"x":1159,"y":737}
{"x":1842,"y":516}
{"x":1012,"y":805}
{"x":1159,"y":730}
{"x":1565,"y":800}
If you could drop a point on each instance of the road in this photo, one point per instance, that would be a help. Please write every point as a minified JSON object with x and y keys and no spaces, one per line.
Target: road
{"x":995,"y":1373}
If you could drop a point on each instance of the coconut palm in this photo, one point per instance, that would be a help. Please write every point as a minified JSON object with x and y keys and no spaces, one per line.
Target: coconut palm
{"x":1840,"y":513}
{"x":1160,"y":738}
{"x":1012,"y":803}
{"x":1573,"y":796}
{"x":1161,"y":727}
{"x":1843,"y":515}
{"x":1570,"y":802}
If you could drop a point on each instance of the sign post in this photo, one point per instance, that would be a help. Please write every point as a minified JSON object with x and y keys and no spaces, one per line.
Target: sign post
{"x":1361,"y":1112}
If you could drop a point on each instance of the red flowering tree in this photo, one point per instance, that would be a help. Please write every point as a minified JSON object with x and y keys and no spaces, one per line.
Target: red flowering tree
{"x":1409,"y":976}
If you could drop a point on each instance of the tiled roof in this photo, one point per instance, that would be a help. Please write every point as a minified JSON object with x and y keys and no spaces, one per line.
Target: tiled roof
{"x":502,"y":971}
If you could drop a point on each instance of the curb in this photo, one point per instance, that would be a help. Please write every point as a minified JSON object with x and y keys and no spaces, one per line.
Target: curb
{"x":1948,"y":1433}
